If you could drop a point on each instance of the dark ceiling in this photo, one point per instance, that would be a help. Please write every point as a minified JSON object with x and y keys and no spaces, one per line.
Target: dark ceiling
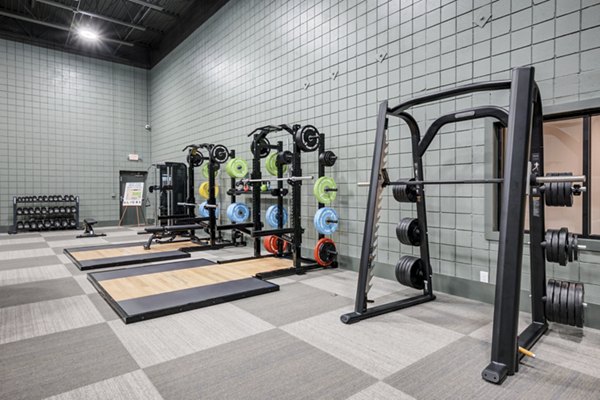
{"x":134,"y":32}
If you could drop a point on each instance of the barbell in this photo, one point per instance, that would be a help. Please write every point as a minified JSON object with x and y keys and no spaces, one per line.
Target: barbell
{"x":539,"y":179}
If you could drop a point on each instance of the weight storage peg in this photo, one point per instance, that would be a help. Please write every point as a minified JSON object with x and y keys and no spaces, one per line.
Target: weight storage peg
{"x":408,"y":231}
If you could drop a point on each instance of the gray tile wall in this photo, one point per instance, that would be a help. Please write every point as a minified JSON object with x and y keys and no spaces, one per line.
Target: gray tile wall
{"x":248,"y":65}
{"x":67,"y":124}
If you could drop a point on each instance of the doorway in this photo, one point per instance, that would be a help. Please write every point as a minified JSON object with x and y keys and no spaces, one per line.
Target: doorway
{"x":132,"y":215}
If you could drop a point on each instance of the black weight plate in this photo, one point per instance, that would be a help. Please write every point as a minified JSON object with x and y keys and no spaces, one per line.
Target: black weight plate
{"x":568,"y":194}
{"x":579,"y":292}
{"x":570,"y":247}
{"x":556,"y":302}
{"x":219,"y":153}
{"x":417,"y":274}
{"x":564,"y":305}
{"x":399,"y":272}
{"x":575,"y":247}
{"x":560,"y":198}
{"x":553,"y":246}
{"x":555,"y":193}
{"x":549,"y":299}
{"x":571,"y":304}
{"x":307,"y":138}
{"x":563,"y":234}
{"x":549,"y":194}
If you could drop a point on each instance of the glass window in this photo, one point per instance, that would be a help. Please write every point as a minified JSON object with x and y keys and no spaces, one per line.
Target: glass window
{"x":563,"y":152}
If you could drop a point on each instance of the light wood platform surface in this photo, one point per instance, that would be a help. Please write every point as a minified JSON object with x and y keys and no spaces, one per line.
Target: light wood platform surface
{"x":170,"y":281}
{"x":133,"y":250}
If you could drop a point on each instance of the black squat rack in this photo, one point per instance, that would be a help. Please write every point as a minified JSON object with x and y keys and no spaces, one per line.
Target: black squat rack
{"x":45,"y":212}
{"x":288,"y":241}
{"x":187,"y":224}
{"x":524,"y":126}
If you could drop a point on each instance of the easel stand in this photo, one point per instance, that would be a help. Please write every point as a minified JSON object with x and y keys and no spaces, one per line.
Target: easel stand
{"x":137,"y":215}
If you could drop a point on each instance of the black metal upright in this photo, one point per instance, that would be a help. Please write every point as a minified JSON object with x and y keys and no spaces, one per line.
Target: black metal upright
{"x":296,"y":208}
{"x":512,"y":221}
{"x":256,"y":176}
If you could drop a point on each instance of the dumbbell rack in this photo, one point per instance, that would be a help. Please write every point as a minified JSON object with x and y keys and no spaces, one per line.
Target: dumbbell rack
{"x":34,"y":202}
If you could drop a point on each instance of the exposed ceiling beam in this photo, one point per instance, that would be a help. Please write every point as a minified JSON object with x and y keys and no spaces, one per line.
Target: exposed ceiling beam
{"x":91,"y":14}
{"x":56,"y":26}
{"x":146,"y":4}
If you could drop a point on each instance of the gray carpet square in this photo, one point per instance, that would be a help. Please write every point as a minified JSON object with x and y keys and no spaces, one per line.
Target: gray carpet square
{"x":34,"y":292}
{"x":56,"y":363}
{"x":380,"y":391}
{"x":271,"y":365}
{"x":23,"y":246}
{"x":33,"y":274}
{"x":6,"y":237}
{"x":293,"y":302}
{"x":16,"y":254}
{"x":452,"y":312}
{"x":344,"y":283}
{"x":166,"y":338}
{"x":379,"y":346}
{"x":132,"y":386}
{"x":29,"y":262}
{"x":457,"y":371}
{"x":45,"y":317}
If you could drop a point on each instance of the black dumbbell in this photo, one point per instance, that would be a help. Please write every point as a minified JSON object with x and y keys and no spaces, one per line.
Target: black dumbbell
{"x":64,"y":223}
{"x":26,"y":225}
{"x":37,"y":211}
{"x":62,"y":210}
{"x":19,"y":211}
{"x":47,"y":224}
{"x":56,"y":210}
{"x":20,"y":225}
{"x":72,"y":223}
{"x":44,"y":210}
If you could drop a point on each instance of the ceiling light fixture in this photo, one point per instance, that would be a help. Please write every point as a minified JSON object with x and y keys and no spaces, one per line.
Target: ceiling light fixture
{"x":88,"y":34}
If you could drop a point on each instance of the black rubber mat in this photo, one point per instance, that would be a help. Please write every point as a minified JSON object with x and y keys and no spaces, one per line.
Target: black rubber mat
{"x":122,"y":260}
{"x":147,"y":307}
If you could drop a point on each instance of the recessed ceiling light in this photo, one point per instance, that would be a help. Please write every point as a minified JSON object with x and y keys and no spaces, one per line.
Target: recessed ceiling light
{"x":88,"y":34}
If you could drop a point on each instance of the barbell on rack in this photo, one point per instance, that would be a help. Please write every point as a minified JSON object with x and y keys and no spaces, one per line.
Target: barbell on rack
{"x":289,"y":178}
{"x":539,"y":179}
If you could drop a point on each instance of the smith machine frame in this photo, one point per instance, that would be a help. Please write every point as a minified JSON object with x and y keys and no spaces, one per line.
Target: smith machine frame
{"x":524,"y":127}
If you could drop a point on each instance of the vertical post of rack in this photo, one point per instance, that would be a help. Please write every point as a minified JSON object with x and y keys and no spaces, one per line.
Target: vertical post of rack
{"x":13,"y":229}
{"x":280,"y":199}
{"x":256,"y":174}
{"x":321,"y":171}
{"x":212,"y":223}
{"x":232,"y":197}
{"x":417,"y":158}
{"x":296,"y":209}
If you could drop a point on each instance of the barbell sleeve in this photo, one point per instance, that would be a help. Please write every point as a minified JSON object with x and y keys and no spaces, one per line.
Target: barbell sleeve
{"x":560,"y":178}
